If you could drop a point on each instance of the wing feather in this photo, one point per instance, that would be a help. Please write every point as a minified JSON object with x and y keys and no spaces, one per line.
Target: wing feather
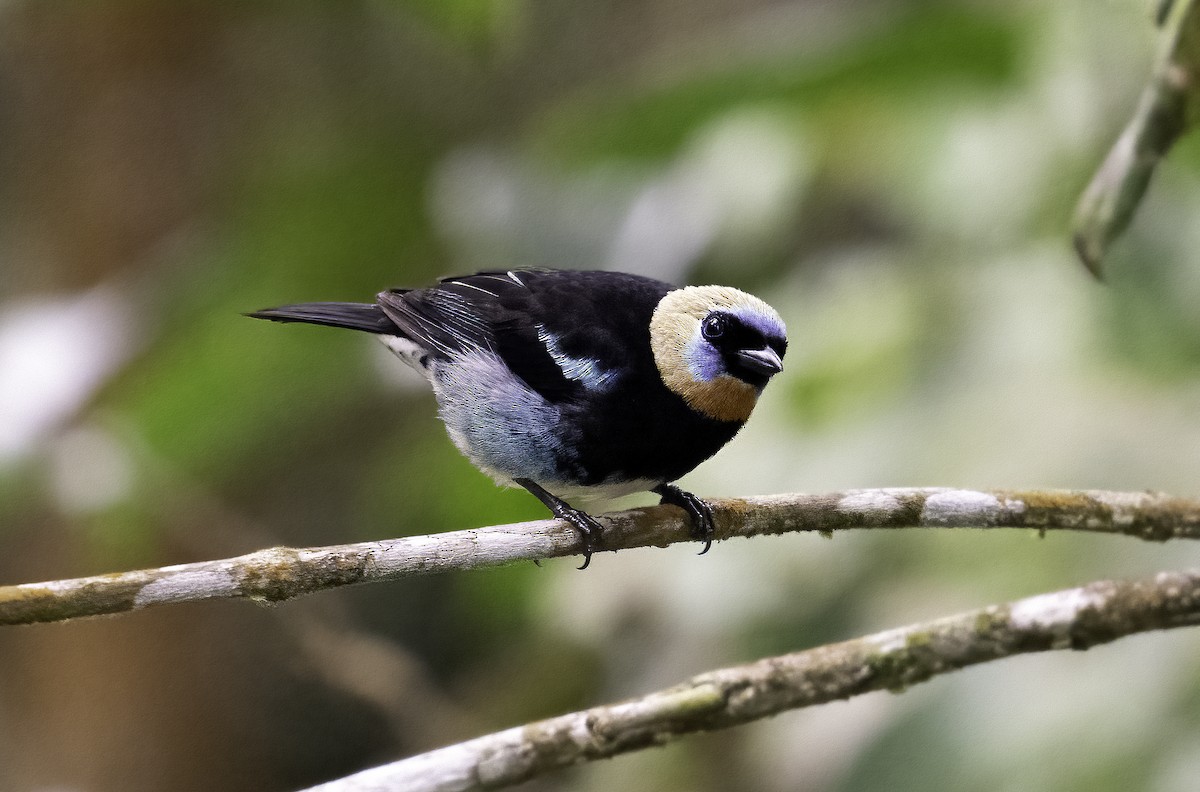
{"x":488,"y":311}
{"x":562,"y":333}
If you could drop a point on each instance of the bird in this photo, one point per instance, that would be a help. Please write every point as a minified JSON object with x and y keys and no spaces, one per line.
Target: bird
{"x":578,"y":384}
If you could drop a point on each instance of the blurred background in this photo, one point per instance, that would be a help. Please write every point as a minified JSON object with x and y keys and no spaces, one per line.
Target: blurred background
{"x":895,"y":176}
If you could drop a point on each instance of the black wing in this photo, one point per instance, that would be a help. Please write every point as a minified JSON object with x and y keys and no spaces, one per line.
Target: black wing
{"x":491,"y":311}
{"x":598,"y":317}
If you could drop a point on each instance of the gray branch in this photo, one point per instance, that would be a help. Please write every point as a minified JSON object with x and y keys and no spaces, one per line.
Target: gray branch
{"x":281,"y":573}
{"x":1076,"y":618}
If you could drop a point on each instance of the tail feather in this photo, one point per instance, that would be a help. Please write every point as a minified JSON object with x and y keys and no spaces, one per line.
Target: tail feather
{"x":369,"y":318}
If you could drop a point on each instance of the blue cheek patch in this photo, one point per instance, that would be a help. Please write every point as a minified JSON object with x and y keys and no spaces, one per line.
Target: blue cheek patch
{"x":703,"y":361}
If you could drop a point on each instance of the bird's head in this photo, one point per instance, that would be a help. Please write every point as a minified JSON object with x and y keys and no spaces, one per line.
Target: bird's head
{"x":717,"y":347}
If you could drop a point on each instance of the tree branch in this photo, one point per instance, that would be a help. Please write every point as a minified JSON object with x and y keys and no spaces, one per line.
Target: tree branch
{"x":1164,"y":113}
{"x":1076,"y":618}
{"x":281,"y":573}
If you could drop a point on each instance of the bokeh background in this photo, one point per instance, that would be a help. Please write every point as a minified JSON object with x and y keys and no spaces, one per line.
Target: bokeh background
{"x":895,"y":176}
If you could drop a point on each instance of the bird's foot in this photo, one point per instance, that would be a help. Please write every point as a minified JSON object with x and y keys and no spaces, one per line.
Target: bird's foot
{"x":586,"y":525}
{"x":589,"y":530}
{"x":703,"y":527}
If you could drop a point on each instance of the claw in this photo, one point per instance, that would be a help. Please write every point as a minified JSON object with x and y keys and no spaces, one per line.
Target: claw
{"x":703,"y":528}
{"x":589,"y":529}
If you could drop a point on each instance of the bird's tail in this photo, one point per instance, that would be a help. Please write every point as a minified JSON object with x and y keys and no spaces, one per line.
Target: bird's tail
{"x":369,"y":318}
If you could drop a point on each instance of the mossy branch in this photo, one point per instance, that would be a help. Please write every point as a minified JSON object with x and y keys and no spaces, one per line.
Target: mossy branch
{"x":281,"y":573}
{"x":1076,"y":618}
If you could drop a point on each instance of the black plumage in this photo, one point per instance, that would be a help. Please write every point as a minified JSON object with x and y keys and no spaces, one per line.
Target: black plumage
{"x":557,"y":381}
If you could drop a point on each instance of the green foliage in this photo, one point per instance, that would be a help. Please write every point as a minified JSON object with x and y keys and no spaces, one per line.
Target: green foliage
{"x":928,"y":48}
{"x":473,"y":24}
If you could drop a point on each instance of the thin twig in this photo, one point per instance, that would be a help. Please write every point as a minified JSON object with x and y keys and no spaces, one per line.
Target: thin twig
{"x":1164,"y":113}
{"x":281,"y":573}
{"x":1076,"y":618}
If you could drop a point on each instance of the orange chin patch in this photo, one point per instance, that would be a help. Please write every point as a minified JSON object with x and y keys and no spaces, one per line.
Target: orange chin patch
{"x":725,"y":398}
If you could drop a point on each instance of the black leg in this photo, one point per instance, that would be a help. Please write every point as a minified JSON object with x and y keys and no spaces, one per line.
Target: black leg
{"x":700,"y":512}
{"x":589,"y":530}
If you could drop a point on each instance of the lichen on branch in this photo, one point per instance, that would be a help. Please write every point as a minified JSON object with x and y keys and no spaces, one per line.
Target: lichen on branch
{"x":282,"y":573}
{"x":1076,"y":618}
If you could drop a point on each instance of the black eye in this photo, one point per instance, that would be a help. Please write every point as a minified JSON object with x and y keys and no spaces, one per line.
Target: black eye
{"x":713,"y":327}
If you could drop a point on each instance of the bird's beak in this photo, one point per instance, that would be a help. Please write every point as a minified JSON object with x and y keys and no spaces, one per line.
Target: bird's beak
{"x":763,"y":361}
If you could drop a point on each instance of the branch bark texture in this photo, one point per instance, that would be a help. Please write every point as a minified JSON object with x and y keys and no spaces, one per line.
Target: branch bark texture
{"x":281,"y":573}
{"x":1076,"y":618}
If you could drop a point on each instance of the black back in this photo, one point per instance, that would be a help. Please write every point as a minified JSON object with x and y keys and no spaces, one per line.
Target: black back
{"x":600,"y":316}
